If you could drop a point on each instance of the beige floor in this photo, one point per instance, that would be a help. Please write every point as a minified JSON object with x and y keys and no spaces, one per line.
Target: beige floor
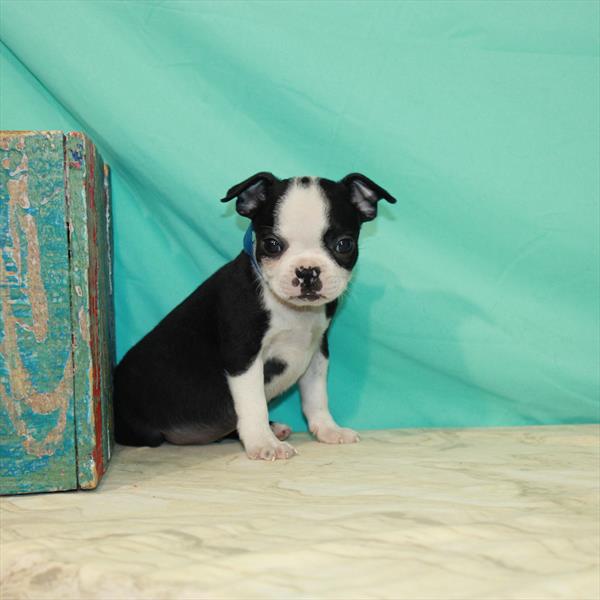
{"x":482,"y":514}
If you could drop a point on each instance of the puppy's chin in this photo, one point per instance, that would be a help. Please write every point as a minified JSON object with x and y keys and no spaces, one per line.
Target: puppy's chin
{"x":306,"y":301}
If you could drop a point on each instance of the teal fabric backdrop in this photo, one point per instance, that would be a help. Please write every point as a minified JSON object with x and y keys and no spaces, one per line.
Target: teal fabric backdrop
{"x":476,"y":299}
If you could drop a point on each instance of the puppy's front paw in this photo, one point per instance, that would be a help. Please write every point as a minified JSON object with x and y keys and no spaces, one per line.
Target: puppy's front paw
{"x":270,"y":450}
{"x":335,"y":435}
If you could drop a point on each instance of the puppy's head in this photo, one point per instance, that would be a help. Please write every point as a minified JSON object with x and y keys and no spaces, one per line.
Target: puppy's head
{"x":307,"y":231}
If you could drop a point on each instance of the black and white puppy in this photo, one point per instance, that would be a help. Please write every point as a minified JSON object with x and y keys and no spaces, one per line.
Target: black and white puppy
{"x":254,"y":328}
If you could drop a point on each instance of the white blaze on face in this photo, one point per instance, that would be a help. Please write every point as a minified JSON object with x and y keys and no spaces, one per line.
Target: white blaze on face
{"x":301,"y":221}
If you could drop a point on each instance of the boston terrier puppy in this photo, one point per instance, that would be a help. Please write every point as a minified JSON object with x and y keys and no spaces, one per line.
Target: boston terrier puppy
{"x":254,"y":328}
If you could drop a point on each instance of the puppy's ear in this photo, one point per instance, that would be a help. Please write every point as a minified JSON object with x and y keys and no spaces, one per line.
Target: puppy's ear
{"x":250,"y":193}
{"x":364,"y":195}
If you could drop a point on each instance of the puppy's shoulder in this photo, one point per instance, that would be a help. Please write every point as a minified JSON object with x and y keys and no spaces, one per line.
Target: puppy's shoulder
{"x":236,"y":283}
{"x":241,"y":318}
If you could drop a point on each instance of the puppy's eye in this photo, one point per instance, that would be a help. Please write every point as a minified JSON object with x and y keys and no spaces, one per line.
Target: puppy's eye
{"x":344,"y":246}
{"x":272,"y":246}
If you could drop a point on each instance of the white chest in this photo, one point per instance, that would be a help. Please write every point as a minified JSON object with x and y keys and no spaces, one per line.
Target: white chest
{"x":293,"y":338}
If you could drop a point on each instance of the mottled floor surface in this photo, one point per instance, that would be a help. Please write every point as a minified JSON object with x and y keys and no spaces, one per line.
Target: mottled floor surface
{"x":482,"y":514}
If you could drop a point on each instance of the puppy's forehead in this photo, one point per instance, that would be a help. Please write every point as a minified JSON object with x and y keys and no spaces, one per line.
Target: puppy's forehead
{"x":302,"y":213}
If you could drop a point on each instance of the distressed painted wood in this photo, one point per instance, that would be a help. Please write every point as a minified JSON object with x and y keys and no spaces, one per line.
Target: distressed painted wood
{"x":56,"y":318}
{"x":36,"y":383}
{"x":91,"y":283}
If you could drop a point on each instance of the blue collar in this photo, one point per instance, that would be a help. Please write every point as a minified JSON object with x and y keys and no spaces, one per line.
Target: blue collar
{"x":249,"y":249}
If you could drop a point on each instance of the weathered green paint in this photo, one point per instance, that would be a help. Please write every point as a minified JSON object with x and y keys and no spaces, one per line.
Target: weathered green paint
{"x":37,"y":437}
{"x":56,"y":318}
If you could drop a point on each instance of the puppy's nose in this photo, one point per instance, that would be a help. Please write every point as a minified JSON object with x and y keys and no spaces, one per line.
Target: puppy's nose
{"x":309,"y":278}
{"x":306,"y":273}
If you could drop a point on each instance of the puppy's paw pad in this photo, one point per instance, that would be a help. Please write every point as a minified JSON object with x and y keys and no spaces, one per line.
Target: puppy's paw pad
{"x":336,"y":435}
{"x":271,"y":450}
{"x":281,"y":431}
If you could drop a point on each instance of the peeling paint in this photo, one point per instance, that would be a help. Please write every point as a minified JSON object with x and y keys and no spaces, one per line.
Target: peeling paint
{"x":84,"y":325}
{"x":56,"y":327}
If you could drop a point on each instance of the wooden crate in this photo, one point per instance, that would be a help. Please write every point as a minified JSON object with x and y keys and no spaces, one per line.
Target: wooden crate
{"x":56,"y":312}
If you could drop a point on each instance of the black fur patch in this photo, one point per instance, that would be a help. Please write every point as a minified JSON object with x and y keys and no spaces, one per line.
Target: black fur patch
{"x":273,"y":367}
{"x":330,"y":308}
{"x":263,"y":222}
{"x":344,"y":221}
{"x":325,"y":345}
{"x":305,"y":181}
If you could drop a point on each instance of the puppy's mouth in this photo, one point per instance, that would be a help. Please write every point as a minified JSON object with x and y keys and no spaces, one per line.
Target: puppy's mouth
{"x":309,"y":296}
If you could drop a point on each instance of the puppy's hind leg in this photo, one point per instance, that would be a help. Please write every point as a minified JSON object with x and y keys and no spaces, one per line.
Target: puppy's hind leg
{"x":134,"y":436}
{"x":281,"y":430}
